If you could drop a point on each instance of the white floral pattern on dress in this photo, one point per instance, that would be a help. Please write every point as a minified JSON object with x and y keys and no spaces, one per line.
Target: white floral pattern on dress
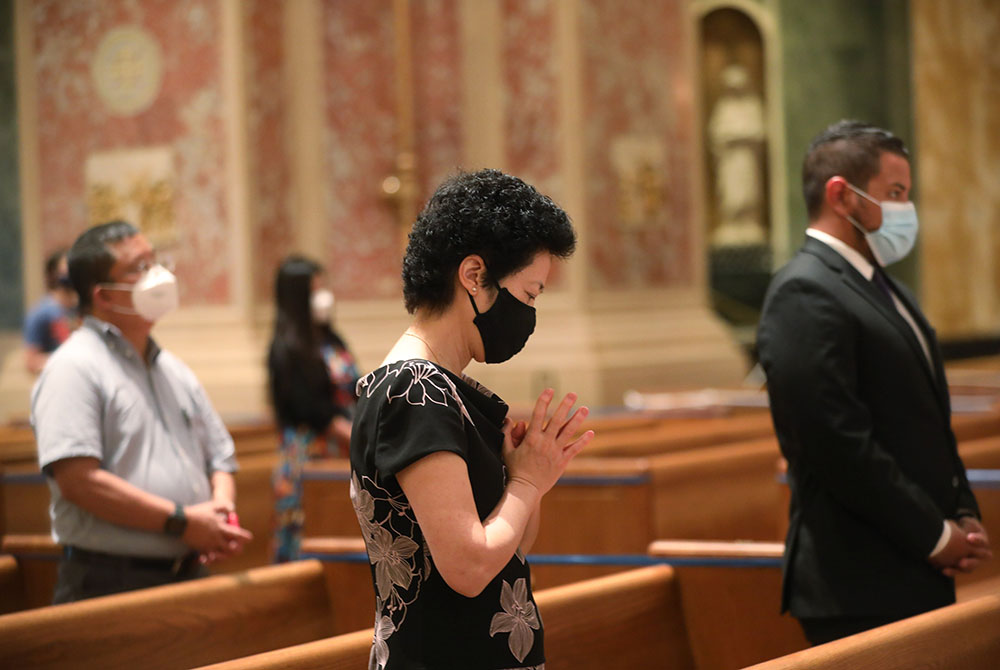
{"x":427,"y":384}
{"x":392,"y":553}
{"x":519,"y":618}
{"x":394,"y":542}
{"x":380,"y":648}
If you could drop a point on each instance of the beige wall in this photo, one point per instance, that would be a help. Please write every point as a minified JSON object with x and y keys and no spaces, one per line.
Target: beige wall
{"x":956,"y":63}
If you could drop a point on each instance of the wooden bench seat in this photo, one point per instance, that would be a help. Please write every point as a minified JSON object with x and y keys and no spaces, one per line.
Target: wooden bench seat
{"x":963,"y":636}
{"x":37,"y":559}
{"x":620,"y":621}
{"x":11,"y":585}
{"x":175,"y":626}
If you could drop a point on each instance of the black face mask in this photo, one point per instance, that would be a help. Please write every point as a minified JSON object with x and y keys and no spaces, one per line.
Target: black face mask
{"x":505,"y":327}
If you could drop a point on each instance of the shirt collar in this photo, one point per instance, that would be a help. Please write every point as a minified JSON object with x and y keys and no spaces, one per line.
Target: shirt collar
{"x":114,"y":336}
{"x":860,"y":263}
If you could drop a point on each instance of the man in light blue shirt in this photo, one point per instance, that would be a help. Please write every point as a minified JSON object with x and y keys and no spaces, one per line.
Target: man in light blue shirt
{"x":139,"y":463}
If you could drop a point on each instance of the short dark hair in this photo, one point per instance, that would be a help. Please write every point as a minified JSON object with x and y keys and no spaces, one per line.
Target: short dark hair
{"x":494,"y":215}
{"x":52,"y":268}
{"x":850,"y":149}
{"x":90,"y":260}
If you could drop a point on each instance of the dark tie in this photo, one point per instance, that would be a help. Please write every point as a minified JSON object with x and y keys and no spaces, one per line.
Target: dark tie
{"x":883,"y":286}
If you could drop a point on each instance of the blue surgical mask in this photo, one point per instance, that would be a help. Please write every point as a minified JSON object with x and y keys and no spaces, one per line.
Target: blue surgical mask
{"x":898,"y":233}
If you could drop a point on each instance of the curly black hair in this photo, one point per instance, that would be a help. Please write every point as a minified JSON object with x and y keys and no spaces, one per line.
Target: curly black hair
{"x":494,"y":215}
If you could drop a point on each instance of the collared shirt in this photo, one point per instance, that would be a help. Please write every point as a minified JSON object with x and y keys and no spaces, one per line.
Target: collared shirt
{"x":867,"y":270}
{"x":147,"y":420}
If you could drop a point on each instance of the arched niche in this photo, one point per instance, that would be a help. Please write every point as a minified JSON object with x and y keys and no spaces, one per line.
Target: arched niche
{"x":740,"y":151}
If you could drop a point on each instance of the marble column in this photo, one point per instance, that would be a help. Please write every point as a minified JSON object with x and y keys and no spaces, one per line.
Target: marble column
{"x":956,"y":70}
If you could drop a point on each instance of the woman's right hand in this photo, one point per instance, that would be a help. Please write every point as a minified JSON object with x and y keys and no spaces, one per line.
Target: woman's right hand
{"x":539,"y":454}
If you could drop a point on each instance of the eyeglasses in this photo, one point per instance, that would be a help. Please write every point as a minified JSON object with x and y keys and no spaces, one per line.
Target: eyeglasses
{"x":142,"y":266}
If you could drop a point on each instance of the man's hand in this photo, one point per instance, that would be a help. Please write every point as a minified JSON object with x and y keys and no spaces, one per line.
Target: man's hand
{"x":977,"y":538}
{"x":210,"y":535}
{"x":967,"y":547}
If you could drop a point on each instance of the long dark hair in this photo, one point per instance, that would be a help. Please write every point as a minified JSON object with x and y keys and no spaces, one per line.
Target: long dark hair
{"x":300,"y":385}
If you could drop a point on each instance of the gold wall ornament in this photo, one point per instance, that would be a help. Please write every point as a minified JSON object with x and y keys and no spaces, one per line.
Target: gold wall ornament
{"x":400,"y":188}
{"x":135,"y":185}
{"x":640,"y":165}
{"x":127,"y":69}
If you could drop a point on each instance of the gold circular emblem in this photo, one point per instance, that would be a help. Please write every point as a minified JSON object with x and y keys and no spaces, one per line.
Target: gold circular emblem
{"x":127,"y":70}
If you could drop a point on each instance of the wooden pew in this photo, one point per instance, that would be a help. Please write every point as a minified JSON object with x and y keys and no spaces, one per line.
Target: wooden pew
{"x":175,"y":626}
{"x":11,"y":585}
{"x":732,"y":608}
{"x":729,"y":590}
{"x":615,"y":505}
{"x":678,"y":434}
{"x":24,"y":492}
{"x":37,"y":559}
{"x":963,"y":636}
{"x":620,"y":621}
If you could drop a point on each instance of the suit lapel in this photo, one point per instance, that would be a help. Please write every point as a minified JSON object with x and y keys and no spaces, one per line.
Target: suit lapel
{"x":869,"y":292}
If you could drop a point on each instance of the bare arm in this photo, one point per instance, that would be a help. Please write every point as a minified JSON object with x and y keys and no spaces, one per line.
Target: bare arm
{"x":109,"y":497}
{"x":224,"y":489}
{"x":531,"y":532}
{"x":468,"y":552}
{"x":516,"y":433}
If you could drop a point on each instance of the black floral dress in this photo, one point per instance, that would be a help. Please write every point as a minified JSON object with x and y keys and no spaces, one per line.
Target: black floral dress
{"x":408,"y":410}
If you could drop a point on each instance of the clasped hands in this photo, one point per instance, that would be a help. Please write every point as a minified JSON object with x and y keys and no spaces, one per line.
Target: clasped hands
{"x":538,"y":452}
{"x":968,"y":546}
{"x":210,"y":534}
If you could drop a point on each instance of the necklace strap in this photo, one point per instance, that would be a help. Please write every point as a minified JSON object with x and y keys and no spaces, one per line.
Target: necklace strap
{"x":430,"y":349}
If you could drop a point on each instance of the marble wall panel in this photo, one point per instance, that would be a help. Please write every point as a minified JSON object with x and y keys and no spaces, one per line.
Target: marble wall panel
{"x":359,"y":142}
{"x":531,"y":101}
{"x":437,"y":73}
{"x":11,"y":303}
{"x":273,"y":229}
{"x":957,"y":114}
{"x":638,"y":97}
{"x":186,"y":116}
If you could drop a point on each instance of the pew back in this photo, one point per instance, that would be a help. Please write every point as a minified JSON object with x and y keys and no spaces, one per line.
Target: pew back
{"x":180,"y":625}
{"x":621,"y":621}
{"x":959,"y":636}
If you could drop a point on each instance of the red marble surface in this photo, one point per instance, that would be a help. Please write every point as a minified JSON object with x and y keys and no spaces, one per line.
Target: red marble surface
{"x":362,"y":253}
{"x":437,"y":74}
{"x":531,"y":100}
{"x":531,"y":93}
{"x":273,"y":229}
{"x":636,"y":84}
{"x":186,"y":115}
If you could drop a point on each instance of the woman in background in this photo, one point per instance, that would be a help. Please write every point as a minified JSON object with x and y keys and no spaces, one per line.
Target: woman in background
{"x":312,"y":379}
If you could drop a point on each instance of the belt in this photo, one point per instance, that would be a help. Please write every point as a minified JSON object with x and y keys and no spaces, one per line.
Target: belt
{"x":175,"y":566}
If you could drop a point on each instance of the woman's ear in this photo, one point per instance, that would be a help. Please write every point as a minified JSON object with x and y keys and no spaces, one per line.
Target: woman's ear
{"x":471,"y":272}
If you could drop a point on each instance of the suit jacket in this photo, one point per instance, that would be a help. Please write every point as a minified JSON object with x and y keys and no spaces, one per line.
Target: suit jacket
{"x":864,"y":421}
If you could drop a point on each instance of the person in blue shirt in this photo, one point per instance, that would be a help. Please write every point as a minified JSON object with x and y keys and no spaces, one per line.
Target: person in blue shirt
{"x":49,"y":322}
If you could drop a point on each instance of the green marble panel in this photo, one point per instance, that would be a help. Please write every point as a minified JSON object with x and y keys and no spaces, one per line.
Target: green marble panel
{"x":843,"y":59}
{"x":11,"y":291}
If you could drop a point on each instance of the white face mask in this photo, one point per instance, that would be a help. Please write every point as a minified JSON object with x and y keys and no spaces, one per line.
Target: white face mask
{"x":321,"y":303}
{"x":153,"y":296}
{"x":898,"y":233}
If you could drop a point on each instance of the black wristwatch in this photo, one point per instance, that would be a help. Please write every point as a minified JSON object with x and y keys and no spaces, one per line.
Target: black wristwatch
{"x":176,"y":523}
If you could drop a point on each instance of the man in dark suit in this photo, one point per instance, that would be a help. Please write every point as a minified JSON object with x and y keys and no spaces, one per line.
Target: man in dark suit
{"x":881,"y":514}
